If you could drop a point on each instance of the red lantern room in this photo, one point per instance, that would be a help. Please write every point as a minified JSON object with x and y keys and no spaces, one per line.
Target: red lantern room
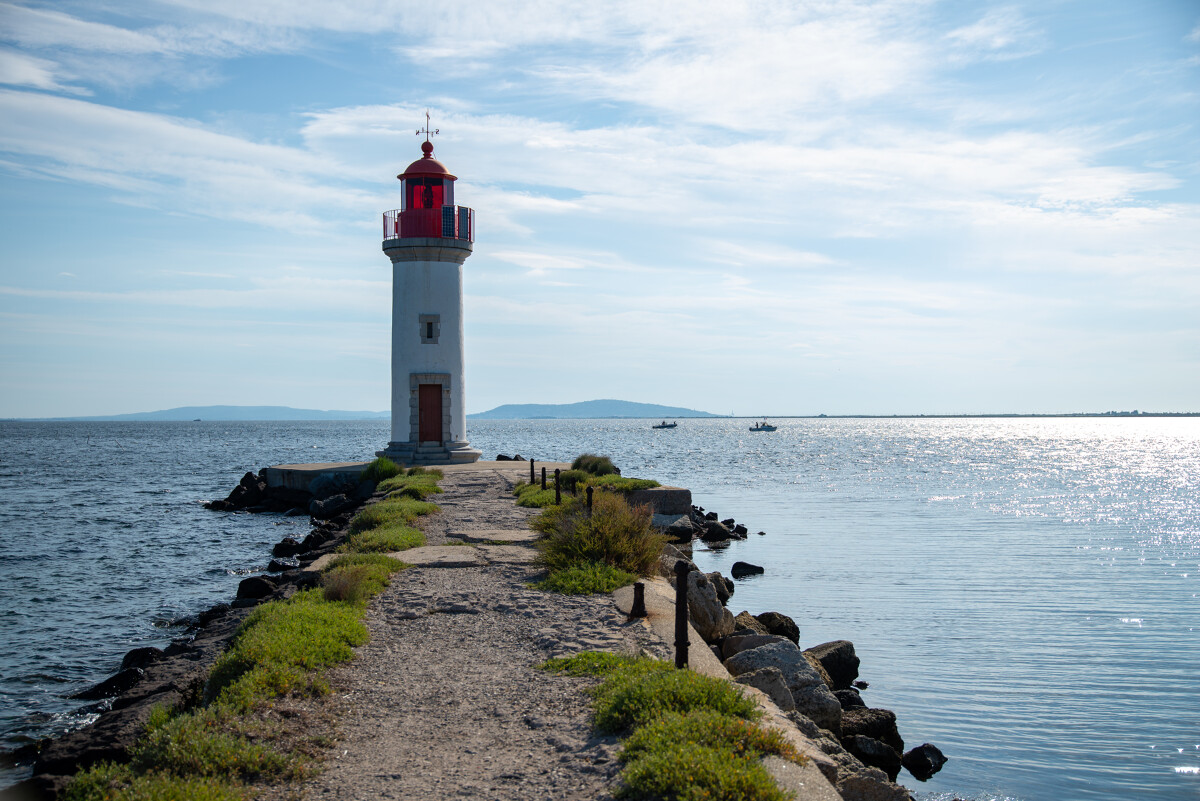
{"x":428,"y":209}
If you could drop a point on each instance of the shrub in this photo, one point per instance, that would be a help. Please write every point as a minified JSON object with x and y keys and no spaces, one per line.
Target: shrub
{"x":385,"y":539}
{"x":532,"y":496}
{"x":390,"y":511}
{"x":596,"y":465}
{"x":613,"y":533}
{"x":573,"y":480}
{"x":358,"y":577}
{"x":586,"y":578}
{"x":196,"y":744}
{"x":636,"y":696}
{"x":691,"y":772}
{"x":380,"y":469}
{"x":427,"y":478}
{"x":108,"y":782}
{"x":710,"y":729}
{"x":588,"y":663}
{"x":621,"y":484}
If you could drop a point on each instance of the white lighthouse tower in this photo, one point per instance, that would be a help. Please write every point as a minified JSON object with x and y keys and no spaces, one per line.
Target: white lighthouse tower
{"x":428,"y":239}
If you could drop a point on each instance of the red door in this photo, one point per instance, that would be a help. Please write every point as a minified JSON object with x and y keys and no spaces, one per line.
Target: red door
{"x":429,"y":412}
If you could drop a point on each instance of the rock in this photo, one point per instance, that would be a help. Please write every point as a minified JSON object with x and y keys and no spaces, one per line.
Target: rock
{"x":255,"y":587}
{"x":878,"y":724}
{"x":326,"y":509}
{"x":141,"y":657}
{"x":711,"y":620}
{"x":741,"y":531}
{"x":219,"y":506}
{"x":714,"y":532}
{"x":762,"y":533}
{"x":839,"y":660}
{"x":710,"y":516}
{"x":924,"y":761}
{"x":295,"y":511}
{"x":326,"y":485}
{"x":280,"y":565}
{"x":860,"y":685}
{"x":770,"y":681}
{"x":113,"y":685}
{"x":500,"y":457}
{"x":874,"y":753}
{"x":870,"y":784}
{"x":743,"y":569}
{"x":682,"y":530}
{"x":782,"y":625}
{"x":854,"y":780}
{"x":813,"y":699}
{"x":849,"y":699}
{"x":745,"y":620}
{"x":288,"y":546}
{"x":812,"y":660}
{"x":729,"y":522}
{"x":722,"y":585}
{"x":314,"y":540}
{"x":519,"y":458}
{"x":733,"y":644}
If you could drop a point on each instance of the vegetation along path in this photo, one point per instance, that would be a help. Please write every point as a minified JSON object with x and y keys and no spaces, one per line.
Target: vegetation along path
{"x":446,"y":699}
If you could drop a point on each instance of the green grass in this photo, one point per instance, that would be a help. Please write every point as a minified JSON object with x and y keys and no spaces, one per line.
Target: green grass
{"x":385,"y":539}
{"x":596,"y":465}
{"x":586,"y":578}
{"x":390,"y":511}
{"x":108,"y":782}
{"x":203,"y":743}
{"x":710,"y":729}
{"x":423,"y":483}
{"x":358,"y":577}
{"x":532,"y":496}
{"x":613,"y":533}
{"x":641,"y":693}
{"x":380,"y":469}
{"x":693,"y":772}
{"x":622,"y":484}
{"x":588,"y":663}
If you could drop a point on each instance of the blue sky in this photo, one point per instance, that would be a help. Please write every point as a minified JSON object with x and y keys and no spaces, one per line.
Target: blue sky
{"x":765,"y":208}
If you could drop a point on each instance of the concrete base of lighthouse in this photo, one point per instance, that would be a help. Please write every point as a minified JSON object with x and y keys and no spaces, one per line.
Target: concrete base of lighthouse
{"x":430,"y":453}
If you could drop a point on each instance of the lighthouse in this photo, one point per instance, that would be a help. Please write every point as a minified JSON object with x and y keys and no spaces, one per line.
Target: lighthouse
{"x":427,"y":239}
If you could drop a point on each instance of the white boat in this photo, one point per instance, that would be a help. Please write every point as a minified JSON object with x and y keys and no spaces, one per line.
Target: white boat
{"x":763,"y":426}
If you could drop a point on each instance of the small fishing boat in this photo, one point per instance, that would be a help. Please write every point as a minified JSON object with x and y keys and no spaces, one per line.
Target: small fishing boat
{"x":664,"y":424}
{"x":763,"y":426}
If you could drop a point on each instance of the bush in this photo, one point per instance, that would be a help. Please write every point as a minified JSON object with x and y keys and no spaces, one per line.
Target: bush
{"x":636,"y":696}
{"x":379,"y":470}
{"x":620,"y":484}
{"x":691,"y":772}
{"x":710,"y":729}
{"x":196,"y":744}
{"x":358,"y":577}
{"x":390,"y":511}
{"x":614,"y":533}
{"x":588,"y":663}
{"x":385,"y":539}
{"x":108,"y":782}
{"x":596,"y":465}
{"x":532,"y":496}
{"x":573,"y":480}
{"x":424,"y":479}
{"x":586,"y":578}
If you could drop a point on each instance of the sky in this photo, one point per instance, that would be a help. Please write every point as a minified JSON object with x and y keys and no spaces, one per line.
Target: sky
{"x":763,"y":208}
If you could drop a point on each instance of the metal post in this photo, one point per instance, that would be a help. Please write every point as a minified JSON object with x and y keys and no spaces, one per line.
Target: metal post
{"x":543,"y":478}
{"x":557,"y":488}
{"x":589,"y":493}
{"x":531,"y":478}
{"x":681,"y":613}
{"x":639,"y":600}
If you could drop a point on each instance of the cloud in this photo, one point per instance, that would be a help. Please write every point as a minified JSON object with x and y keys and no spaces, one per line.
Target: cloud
{"x":20,"y":69}
{"x":1002,"y":34}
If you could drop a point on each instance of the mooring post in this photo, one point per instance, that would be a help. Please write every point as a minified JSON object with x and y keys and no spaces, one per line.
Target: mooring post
{"x":531,"y":478}
{"x":543,"y":478}
{"x":681,"y":613}
{"x":557,"y":489}
{"x":639,"y":600}
{"x":589,"y":493}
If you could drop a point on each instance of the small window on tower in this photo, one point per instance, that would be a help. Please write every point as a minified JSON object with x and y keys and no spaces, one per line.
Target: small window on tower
{"x":430,"y":328}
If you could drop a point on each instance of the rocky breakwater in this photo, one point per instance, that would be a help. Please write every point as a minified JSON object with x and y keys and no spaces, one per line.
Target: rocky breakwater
{"x":175,"y":676}
{"x":861,"y":751}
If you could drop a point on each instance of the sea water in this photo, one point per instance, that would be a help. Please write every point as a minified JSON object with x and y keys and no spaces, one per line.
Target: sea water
{"x":1022,"y":592}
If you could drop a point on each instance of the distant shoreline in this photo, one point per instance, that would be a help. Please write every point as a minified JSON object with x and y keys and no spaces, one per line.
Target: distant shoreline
{"x":993,"y":416}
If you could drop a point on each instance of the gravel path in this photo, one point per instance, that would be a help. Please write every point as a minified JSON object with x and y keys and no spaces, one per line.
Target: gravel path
{"x":445,"y":701}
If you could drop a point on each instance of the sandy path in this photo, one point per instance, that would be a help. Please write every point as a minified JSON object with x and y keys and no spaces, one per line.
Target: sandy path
{"x":445,"y":701}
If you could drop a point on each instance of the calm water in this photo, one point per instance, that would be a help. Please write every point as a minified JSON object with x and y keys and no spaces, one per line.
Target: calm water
{"x":1023,"y":593}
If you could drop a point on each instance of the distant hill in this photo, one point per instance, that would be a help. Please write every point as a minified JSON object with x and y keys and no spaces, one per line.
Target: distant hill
{"x":229,"y":413}
{"x":586,"y":410}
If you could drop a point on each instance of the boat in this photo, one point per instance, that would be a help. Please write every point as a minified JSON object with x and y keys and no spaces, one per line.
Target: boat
{"x":664,"y":424}
{"x":763,"y":426}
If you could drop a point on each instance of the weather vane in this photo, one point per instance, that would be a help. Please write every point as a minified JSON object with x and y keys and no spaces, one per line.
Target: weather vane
{"x":426,"y":130}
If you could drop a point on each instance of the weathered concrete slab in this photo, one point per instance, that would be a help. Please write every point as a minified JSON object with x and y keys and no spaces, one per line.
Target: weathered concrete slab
{"x":497,"y":536}
{"x":507,"y":554}
{"x":440,"y":556}
{"x":663,"y":500}
{"x":321,"y":563}
{"x":300,"y":476}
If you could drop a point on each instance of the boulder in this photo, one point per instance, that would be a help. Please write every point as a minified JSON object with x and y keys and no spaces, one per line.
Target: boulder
{"x":849,"y":699}
{"x":682,"y":530}
{"x":500,"y":457}
{"x":113,"y":685}
{"x":288,"y":546}
{"x":924,"y":761}
{"x":812,"y":660}
{"x":141,"y":657}
{"x":326,"y":509}
{"x":734,"y":644}
{"x":729,"y":522}
{"x":711,"y":620}
{"x":745,"y":620}
{"x":714,"y":532}
{"x":812,"y":698}
{"x":839,"y":660}
{"x":722,"y":585}
{"x":315,"y":539}
{"x":326,"y":485}
{"x":743,"y":569}
{"x":710,"y":516}
{"x":280,"y":565}
{"x":874,"y":753}
{"x":741,"y":531}
{"x":295,"y":511}
{"x":878,"y":724}
{"x":770,"y":681}
{"x":255,"y":587}
{"x":782,"y":625}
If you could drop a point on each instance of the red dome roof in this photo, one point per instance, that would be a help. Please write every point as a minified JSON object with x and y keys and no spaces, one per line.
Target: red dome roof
{"x":426,"y":166}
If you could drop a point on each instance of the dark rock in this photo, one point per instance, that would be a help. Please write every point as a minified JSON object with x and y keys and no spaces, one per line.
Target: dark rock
{"x":295,"y":511}
{"x":861,"y":685}
{"x":330,"y":507}
{"x":327,"y":485}
{"x":710,"y":516}
{"x":741,"y":531}
{"x":314,"y":540}
{"x":878,"y":724}
{"x":682,"y":530}
{"x":255,"y":587}
{"x":874,"y":753}
{"x":141,"y":657}
{"x":849,"y":699}
{"x":208,"y":616}
{"x":839,"y":660}
{"x":280,"y":565}
{"x":924,"y":761}
{"x":363,"y":491}
{"x":714,"y":532}
{"x":519,"y":458}
{"x":728,"y":522}
{"x":743,"y":569}
{"x":722,"y":585}
{"x":780,"y":624}
{"x":762,"y":533}
{"x":288,"y":546}
{"x":113,"y":685}
{"x":745,"y":620}
{"x":220,"y":506}
{"x":500,"y":457}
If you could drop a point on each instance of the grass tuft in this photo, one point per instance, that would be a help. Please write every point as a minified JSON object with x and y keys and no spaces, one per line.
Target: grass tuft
{"x":613,"y":533}
{"x":379,"y":470}
{"x":108,"y":782}
{"x":385,"y":539}
{"x":358,"y":577}
{"x":710,"y":729}
{"x":642,"y":693}
{"x":586,"y":578}
{"x":390,"y":511}
{"x":693,"y":772}
{"x":622,"y":484}
{"x":588,"y":663}
{"x":596,"y":465}
{"x":532,"y":496}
